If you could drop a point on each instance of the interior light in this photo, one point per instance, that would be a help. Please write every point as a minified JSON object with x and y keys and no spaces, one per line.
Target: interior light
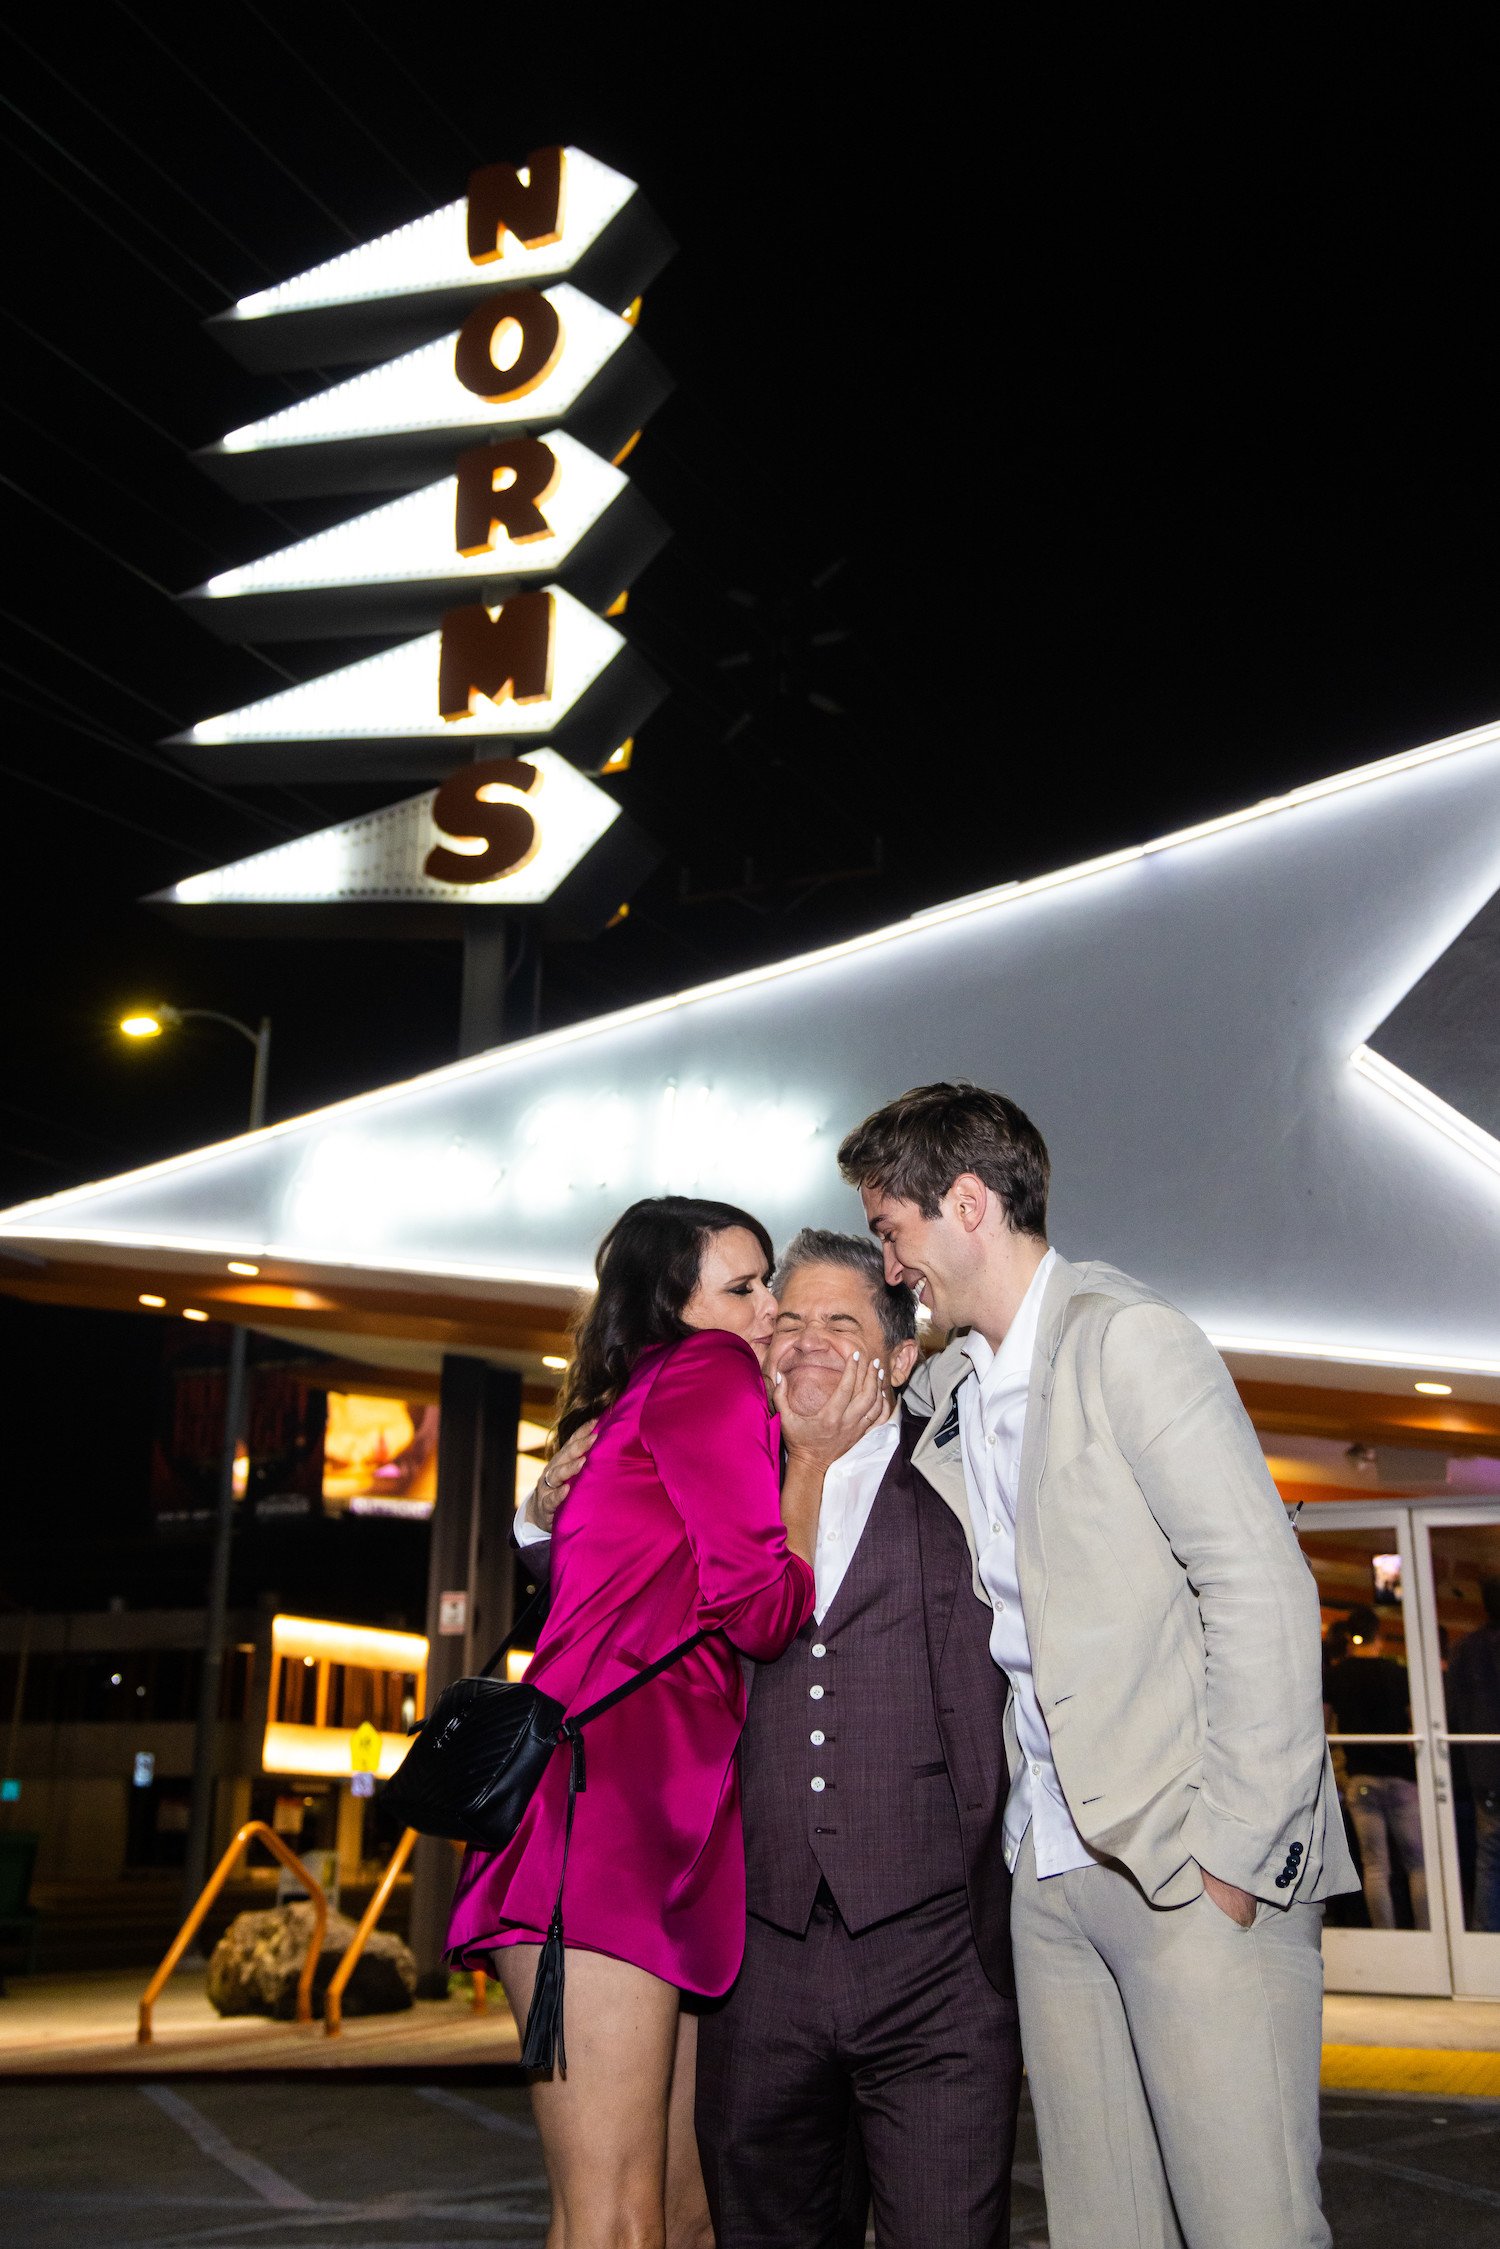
{"x":115,"y":1678}
{"x":141,"y":1026}
{"x":308,"y":1662}
{"x":190,"y":1314}
{"x":153,"y":1303}
{"x":1434,"y":1389}
{"x":238,"y":1265}
{"x":550,"y":1359}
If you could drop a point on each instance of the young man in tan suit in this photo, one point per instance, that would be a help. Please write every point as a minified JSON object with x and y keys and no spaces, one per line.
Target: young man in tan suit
{"x":1172,"y":1825}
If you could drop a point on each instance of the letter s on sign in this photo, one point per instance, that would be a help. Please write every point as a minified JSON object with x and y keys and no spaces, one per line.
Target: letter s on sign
{"x":479,"y":805}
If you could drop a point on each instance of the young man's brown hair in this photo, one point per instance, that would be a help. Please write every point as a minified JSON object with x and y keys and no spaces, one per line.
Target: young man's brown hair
{"x":915,"y":1147}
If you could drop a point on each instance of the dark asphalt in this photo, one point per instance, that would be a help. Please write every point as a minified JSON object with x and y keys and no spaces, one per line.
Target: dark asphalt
{"x":271,"y":2164}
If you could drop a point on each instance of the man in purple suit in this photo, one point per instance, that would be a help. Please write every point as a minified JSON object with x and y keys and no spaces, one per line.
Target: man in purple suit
{"x":873,"y":2026}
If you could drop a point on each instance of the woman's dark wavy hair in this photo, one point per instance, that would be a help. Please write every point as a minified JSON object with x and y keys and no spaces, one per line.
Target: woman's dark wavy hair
{"x":647,"y":1269}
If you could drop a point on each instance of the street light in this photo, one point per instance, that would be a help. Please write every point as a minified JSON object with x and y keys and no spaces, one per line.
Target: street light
{"x":149,"y":1023}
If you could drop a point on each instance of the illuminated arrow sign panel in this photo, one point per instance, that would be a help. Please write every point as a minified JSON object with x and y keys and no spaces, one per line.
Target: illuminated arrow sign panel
{"x":557,"y":840}
{"x":523,"y":512}
{"x":587,"y":223}
{"x":541,"y":669}
{"x":522,"y":362}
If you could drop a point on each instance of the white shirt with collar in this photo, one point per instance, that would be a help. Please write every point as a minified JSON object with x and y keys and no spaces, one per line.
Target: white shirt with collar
{"x":992,"y":1424}
{"x":849,"y":1488}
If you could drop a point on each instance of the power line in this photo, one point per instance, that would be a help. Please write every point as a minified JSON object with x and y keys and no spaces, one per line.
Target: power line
{"x":113,"y":232}
{"x":254,"y":138}
{"x":87,"y":536}
{"x":136,"y":213}
{"x":414,"y":82}
{"x":103,"y":476}
{"x":138,"y":152}
{"x":100,"y":812}
{"x":332,"y":94}
{"x":89,"y":376}
{"x":98,"y":730}
{"x":157,"y":710}
{"x":128,"y":405}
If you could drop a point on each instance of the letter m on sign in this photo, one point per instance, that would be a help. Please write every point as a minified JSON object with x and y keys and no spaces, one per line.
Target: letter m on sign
{"x":509,"y":653}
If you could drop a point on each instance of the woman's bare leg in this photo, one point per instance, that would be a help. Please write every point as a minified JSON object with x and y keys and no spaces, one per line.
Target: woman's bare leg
{"x":689,"y":2225}
{"x":604,"y":2126}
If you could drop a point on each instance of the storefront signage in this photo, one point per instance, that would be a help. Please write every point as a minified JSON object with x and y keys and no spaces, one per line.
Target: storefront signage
{"x":510,"y":556}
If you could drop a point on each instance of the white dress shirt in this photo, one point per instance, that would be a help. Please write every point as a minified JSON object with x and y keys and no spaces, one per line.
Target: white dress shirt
{"x":992,"y":1423}
{"x":849,"y":1488}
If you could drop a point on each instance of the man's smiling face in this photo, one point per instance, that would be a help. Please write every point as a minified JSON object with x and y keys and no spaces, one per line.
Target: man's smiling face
{"x":826,"y":1313}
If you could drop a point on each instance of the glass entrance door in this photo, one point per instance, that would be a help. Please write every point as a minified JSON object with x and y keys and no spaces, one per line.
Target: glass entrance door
{"x":1410,"y":1595}
{"x":1374,"y":1591}
{"x":1458,"y":1562}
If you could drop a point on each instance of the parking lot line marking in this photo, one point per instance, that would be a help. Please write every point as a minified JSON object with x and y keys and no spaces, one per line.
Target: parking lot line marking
{"x":491,"y":2119}
{"x":268,"y":2184}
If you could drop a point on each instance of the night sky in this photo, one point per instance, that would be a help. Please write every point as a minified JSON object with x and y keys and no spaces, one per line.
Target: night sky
{"x":1109,"y":435}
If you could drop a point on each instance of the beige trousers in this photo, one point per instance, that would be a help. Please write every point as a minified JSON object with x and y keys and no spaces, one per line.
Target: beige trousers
{"x":1173,"y":2063}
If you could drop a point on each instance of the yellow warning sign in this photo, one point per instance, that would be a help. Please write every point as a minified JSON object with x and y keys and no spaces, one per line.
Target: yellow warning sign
{"x":364,"y":1749}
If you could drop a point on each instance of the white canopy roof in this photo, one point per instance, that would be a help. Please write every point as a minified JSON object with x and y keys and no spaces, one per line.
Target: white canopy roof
{"x":1189,"y":1022}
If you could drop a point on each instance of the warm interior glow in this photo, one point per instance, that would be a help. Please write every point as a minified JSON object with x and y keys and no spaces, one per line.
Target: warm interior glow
{"x":238,"y":1265}
{"x":153,"y":1303}
{"x":1434,"y":1389}
{"x":323,"y":1751}
{"x":191,"y":1313}
{"x":141,"y":1026}
{"x":550,"y":1359}
{"x":368,"y":1644}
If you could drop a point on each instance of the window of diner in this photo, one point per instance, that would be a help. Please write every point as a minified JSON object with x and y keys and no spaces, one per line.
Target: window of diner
{"x":359,"y":1696}
{"x":297,"y":1691}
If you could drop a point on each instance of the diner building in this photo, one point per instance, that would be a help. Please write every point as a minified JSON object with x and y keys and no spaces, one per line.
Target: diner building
{"x":1265,"y":1053}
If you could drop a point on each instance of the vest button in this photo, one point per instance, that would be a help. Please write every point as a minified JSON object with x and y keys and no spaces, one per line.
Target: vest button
{"x":819,"y":1649}
{"x":818,"y":1786}
{"x":816,"y":1737}
{"x":815,"y":1694}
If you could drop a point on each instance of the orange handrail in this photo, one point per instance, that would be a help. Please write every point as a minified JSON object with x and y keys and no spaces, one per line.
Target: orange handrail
{"x":211,"y":1889}
{"x":333,"y":2003}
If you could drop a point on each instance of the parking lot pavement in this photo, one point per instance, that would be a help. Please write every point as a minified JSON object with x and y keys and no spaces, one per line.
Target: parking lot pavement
{"x":274,"y":2164}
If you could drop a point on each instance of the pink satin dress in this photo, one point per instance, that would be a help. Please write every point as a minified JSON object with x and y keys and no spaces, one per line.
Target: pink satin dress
{"x":674,"y":1522}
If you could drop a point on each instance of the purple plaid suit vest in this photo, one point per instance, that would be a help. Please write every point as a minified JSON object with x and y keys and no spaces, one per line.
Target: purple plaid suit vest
{"x":851,"y":1706}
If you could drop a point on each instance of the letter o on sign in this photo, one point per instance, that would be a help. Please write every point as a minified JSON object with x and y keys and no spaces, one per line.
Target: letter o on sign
{"x":508,"y":345}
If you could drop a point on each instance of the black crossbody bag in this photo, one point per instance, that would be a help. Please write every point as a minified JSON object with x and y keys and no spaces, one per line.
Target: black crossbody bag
{"x":472,"y":1769}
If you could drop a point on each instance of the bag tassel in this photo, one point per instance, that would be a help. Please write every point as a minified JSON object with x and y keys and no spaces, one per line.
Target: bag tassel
{"x":545,"y":2047}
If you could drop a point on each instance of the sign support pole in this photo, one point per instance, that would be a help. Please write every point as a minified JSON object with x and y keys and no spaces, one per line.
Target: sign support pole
{"x":469,"y":1555}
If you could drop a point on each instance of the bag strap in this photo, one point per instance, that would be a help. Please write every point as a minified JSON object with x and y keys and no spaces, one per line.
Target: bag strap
{"x":535,"y":1609}
{"x":641,"y":1679}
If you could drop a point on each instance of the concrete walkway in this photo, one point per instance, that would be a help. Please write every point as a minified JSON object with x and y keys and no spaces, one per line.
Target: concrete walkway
{"x":84,"y":2025}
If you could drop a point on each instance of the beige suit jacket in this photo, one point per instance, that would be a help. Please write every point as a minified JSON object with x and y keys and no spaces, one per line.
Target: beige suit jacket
{"x":1173,"y":1622}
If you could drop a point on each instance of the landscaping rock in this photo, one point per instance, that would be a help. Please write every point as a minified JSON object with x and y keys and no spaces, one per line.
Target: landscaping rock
{"x":258,"y":1959}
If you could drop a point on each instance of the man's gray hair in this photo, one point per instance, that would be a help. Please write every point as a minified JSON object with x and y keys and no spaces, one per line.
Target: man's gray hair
{"x":818,"y":1245}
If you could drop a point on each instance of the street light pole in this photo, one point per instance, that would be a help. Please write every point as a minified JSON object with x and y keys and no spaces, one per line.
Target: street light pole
{"x":205,"y":1738}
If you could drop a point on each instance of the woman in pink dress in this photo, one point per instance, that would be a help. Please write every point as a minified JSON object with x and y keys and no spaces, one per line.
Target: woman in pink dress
{"x":673,"y":1524}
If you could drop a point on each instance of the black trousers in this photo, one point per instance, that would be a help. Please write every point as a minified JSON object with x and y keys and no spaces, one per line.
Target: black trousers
{"x":891,"y":2047}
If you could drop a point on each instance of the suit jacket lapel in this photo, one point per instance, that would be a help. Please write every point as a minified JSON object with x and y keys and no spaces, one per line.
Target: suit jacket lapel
{"x":943,"y":1577}
{"x":938,"y":1453}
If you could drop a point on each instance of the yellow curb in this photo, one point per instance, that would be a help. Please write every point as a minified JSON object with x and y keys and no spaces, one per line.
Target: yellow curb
{"x":1411,"y":2069}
